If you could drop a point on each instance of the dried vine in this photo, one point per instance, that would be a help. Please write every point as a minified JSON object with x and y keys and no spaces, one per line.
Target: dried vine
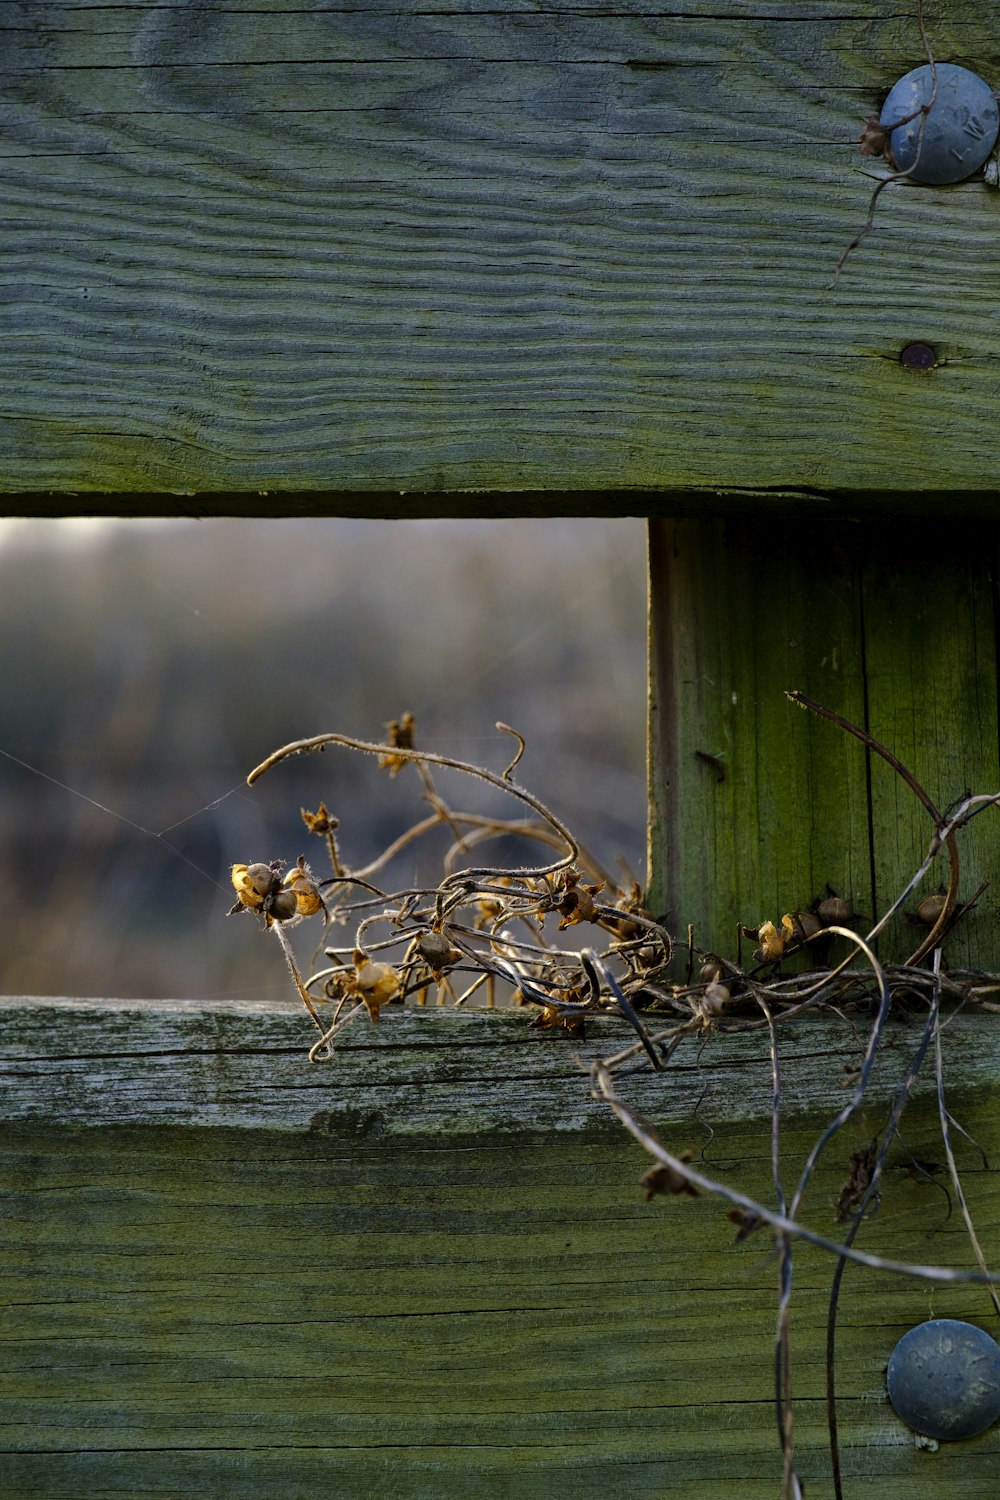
{"x":484,"y":925}
{"x":875,"y":141}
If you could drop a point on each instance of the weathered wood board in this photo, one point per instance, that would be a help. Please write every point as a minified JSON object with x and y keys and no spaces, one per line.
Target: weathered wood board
{"x":758,"y":806}
{"x":382,"y":247}
{"x":427,"y":1269}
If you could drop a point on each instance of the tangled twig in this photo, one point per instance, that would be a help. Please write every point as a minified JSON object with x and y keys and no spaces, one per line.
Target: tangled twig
{"x":488,"y":924}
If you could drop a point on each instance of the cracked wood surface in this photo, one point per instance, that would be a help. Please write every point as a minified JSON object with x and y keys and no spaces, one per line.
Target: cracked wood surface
{"x":87,"y":1063}
{"x":576,"y":250}
{"x":427,"y":1269}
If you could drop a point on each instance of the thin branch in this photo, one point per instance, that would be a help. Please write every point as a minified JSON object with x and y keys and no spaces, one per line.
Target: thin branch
{"x":944,"y":835}
{"x":427,"y":757}
{"x":520,"y":747}
{"x":946,"y":1139}
{"x":870,"y":1194}
{"x":872,"y":744}
{"x":428,"y":935}
{"x":782,"y":1343}
{"x":923,"y":110}
{"x":885,"y":996}
{"x":641,"y":1131}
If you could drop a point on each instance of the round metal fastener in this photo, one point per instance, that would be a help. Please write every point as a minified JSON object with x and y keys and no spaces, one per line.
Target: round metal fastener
{"x":944,"y":1379}
{"x":918,"y":357}
{"x":955,"y":136}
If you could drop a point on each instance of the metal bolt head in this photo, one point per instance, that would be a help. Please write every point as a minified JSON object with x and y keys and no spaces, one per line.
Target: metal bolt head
{"x":920,"y":357}
{"x":956,"y":135}
{"x":944,"y":1379}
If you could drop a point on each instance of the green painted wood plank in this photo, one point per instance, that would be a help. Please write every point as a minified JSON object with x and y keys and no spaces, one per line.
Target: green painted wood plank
{"x":382,"y":247}
{"x":179,"y":1315}
{"x":894,"y":631}
{"x":739,"y":614}
{"x":442,"y":1304}
{"x":931,"y":657}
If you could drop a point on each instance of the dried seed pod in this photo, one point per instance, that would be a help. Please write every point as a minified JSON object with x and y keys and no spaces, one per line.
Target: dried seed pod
{"x":320,"y":821}
{"x":436,"y":952}
{"x":300,"y":882}
{"x":874,"y":139}
{"x":650,"y":956}
{"x":854,"y":1189}
{"x":715,"y":999}
{"x":255,"y":885}
{"x":577,"y":901}
{"x":631,"y":905}
{"x":834,"y":911}
{"x":282,"y":906}
{"x":931,"y":908}
{"x":550,"y":1017}
{"x":806,"y":924}
{"x":376,"y":984}
{"x":257,"y":877}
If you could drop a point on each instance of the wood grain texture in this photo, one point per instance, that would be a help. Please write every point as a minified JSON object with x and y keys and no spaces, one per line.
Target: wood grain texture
{"x":383,"y":247}
{"x":265,"y":1297}
{"x":93,"y":1063}
{"x":894,"y":629}
{"x":932,"y":674}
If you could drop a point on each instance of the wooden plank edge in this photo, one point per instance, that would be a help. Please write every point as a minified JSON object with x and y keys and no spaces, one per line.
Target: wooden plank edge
{"x":104,"y":1062}
{"x":453,"y":504}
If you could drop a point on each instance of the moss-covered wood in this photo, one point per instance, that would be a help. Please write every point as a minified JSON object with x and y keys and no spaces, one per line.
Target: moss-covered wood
{"x":428,"y":1268}
{"x":759,"y":806}
{"x":385,"y":247}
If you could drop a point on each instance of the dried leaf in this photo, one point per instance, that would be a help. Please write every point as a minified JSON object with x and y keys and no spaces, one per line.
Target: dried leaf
{"x":747,"y":1221}
{"x":400,"y":732}
{"x":859,"y":1181}
{"x":664,"y":1179}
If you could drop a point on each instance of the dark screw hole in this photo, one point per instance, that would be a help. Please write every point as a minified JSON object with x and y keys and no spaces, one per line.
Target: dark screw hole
{"x":918,"y":357}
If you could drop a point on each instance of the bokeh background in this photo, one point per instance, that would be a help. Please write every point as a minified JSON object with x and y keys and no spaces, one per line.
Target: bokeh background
{"x":149,"y":665}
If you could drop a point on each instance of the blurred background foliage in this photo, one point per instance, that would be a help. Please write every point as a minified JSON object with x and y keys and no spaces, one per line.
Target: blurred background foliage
{"x":152,"y":664}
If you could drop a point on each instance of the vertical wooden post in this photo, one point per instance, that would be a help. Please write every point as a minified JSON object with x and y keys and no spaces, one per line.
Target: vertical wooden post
{"x":758,"y":806}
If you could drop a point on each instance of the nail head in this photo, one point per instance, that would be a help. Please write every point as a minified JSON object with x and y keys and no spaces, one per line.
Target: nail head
{"x":958,"y":131}
{"x":918,"y":357}
{"x":944,"y":1379}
